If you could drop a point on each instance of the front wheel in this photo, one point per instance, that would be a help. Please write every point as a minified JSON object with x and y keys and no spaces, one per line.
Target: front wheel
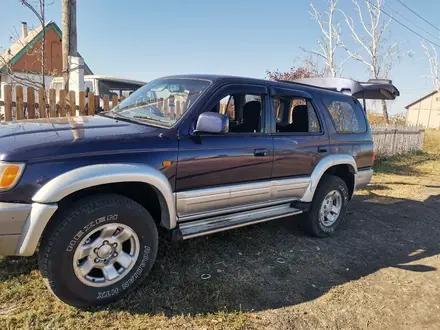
{"x":328,"y":207}
{"x":98,"y":250}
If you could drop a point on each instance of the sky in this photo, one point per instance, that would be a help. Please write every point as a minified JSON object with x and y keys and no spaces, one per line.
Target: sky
{"x":143,"y":39}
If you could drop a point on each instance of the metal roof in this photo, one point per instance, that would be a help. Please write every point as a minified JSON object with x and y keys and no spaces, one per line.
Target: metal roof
{"x":421,"y":99}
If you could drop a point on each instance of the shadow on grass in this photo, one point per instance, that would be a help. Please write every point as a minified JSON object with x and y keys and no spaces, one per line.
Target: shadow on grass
{"x":275,"y":265}
{"x":403,"y":164}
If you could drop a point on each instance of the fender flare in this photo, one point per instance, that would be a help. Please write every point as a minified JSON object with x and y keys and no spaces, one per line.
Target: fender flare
{"x":96,"y":175}
{"x":323,"y":165}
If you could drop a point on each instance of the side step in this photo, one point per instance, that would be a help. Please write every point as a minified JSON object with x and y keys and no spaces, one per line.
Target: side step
{"x":225,"y":222}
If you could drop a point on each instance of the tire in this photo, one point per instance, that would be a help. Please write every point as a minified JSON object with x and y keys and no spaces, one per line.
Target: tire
{"x":78,"y":229}
{"x":312,"y":222}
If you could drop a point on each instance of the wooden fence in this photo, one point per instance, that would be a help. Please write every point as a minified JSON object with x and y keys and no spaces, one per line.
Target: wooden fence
{"x":43,"y":104}
{"x":398,"y":140}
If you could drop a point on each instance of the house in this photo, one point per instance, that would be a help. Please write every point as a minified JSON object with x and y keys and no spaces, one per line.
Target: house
{"x":21,"y":63}
{"x":425,"y":111}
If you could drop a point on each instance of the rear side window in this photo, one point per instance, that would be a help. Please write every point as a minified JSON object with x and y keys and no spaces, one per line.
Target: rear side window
{"x":346,"y":115}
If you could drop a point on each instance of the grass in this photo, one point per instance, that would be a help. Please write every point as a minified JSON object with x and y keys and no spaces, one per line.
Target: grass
{"x":380,"y":271}
{"x":424,"y":162}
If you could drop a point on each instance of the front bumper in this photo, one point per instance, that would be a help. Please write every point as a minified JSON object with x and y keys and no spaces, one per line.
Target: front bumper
{"x":12,"y":220}
{"x":21,"y":226}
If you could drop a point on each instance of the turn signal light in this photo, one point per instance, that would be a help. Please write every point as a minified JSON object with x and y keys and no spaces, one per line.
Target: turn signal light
{"x":9,"y":175}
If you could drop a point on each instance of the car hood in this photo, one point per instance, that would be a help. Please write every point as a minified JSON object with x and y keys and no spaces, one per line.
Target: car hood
{"x":60,"y":137}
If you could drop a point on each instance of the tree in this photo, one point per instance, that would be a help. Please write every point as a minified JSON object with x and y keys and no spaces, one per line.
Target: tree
{"x":374,"y":50}
{"x":308,"y":69}
{"x":38,"y":9}
{"x":330,"y":40}
{"x":431,"y":53}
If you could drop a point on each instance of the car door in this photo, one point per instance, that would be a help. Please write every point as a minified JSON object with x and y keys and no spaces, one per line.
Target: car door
{"x":300,"y":138}
{"x":217,"y":173}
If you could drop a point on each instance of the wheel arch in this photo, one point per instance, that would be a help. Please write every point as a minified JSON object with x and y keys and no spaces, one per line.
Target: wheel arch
{"x":335,"y":165}
{"x":83,"y":180}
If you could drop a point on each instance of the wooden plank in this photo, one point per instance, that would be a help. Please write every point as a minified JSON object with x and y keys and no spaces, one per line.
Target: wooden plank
{"x":19,"y":111}
{"x":91,"y":104}
{"x":52,"y":102}
{"x":30,"y":103}
{"x":106,"y":102}
{"x":178,"y":110}
{"x":62,"y":103}
{"x":114,"y":101}
{"x":166,"y":108}
{"x":82,"y":103}
{"x":72,"y":103}
{"x":42,"y":102}
{"x":8,"y":102}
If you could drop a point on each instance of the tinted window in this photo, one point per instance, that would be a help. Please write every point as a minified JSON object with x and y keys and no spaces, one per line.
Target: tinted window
{"x":295,"y":115}
{"x":347,"y":116}
{"x":244,"y":112}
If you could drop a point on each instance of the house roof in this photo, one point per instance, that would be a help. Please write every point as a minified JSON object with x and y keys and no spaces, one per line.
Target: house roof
{"x":421,"y":99}
{"x":19,"y":48}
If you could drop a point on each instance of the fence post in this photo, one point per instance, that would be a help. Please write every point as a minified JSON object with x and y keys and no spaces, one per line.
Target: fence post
{"x":91,"y":104}
{"x":106,"y":103}
{"x":19,"y":113}
{"x":8,"y":103}
{"x":42,"y":102}
{"x":178,"y":110}
{"x":114,"y":101}
{"x":72,"y":101}
{"x":62,"y":103}
{"x":82,"y":102}
{"x":52,"y":102}
{"x":30,"y":103}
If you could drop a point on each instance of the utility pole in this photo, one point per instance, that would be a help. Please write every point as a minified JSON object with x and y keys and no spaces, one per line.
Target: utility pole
{"x":69,"y":38}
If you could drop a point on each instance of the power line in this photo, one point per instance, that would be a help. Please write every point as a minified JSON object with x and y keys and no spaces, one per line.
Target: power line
{"x":406,"y":27}
{"x":419,"y":16}
{"x":408,"y":20}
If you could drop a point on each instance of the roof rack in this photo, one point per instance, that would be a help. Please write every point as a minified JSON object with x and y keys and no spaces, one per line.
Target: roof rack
{"x":373,"y":89}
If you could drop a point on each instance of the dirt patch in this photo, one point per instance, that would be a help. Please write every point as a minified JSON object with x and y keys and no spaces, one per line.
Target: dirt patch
{"x":381,"y":271}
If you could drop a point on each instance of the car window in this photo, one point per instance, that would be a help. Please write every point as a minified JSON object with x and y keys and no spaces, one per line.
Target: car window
{"x":346,"y":115}
{"x":295,"y":115}
{"x":244,"y":111}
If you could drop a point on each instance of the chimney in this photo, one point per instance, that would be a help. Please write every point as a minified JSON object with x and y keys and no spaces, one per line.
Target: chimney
{"x":24,"y":30}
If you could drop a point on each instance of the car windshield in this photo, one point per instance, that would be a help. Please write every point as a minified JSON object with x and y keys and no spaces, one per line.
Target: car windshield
{"x":162,"y":102}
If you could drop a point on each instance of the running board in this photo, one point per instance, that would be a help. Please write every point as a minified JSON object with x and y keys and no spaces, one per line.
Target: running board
{"x":225,"y":222}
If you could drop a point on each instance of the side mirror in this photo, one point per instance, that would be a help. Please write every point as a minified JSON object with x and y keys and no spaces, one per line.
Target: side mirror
{"x":212,"y":122}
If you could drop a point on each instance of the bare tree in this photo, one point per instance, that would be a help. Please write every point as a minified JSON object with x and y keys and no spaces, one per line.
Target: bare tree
{"x":373,"y":48}
{"x":431,"y":53}
{"x":330,"y":40}
{"x":39,"y":13}
{"x":39,"y":53}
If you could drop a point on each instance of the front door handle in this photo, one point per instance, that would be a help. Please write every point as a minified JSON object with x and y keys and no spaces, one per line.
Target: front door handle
{"x":322,"y":149}
{"x":261,"y":152}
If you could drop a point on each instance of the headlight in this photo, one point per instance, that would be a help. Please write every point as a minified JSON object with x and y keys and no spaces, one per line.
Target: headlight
{"x":10,"y":173}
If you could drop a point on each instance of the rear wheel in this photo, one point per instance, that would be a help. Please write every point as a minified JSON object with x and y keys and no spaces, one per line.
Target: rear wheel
{"x":328,"y":207}
{"x":98,"y":250}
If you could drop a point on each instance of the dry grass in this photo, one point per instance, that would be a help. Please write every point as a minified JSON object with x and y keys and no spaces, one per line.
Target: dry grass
{"x":380,"y":271}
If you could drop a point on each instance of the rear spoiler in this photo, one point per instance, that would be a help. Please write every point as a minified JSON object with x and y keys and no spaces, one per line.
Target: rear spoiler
{"x":373,"y":89}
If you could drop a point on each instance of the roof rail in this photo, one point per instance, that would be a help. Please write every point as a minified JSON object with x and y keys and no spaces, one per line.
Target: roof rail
{"x":373,"y":89}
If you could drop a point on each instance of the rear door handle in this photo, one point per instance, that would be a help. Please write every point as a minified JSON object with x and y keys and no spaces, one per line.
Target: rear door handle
{"x":322,"y":149}
{"x":261,"y":152}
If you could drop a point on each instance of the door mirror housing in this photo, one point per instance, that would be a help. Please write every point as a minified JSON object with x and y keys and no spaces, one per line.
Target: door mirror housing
{"x":213,"y":123}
